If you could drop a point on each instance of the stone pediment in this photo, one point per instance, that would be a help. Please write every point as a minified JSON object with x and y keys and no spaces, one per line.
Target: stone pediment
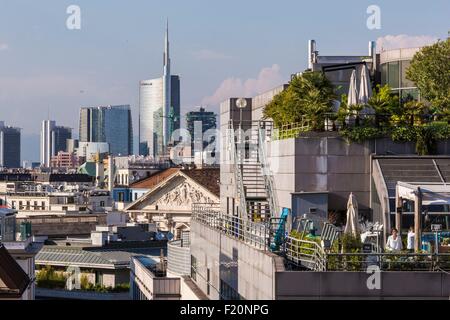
{"x":176,"y":194}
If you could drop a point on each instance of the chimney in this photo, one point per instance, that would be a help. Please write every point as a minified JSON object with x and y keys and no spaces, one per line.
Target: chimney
{"x":373,"y":55}
{"x":312,"y":53}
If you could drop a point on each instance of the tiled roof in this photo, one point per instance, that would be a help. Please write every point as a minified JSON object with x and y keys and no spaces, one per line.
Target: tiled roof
{"x":207,"y":177}
{"x":154,"y":179}
{"x":12,"y":275}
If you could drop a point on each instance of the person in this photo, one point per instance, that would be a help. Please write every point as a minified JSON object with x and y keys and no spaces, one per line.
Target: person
{"x":411,"y":238}
{"x":394,"y":242}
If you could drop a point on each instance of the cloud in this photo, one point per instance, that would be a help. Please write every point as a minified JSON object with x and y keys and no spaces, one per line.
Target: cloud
{"x":206,"y":54}
{"x":267,"y":79}
{"x":389,"y":42}
{"x":4,"y":46}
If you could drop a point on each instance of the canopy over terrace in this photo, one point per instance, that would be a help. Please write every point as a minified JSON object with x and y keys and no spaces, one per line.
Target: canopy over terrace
{"x":421,"y":194}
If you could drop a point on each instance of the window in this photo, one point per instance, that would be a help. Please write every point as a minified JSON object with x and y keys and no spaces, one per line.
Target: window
{"x":28,"y":205}
{"x":43,"y":205}
{"x":35,"y":206}
{"x":13,"y":205}
{"x":102,"y":203}
{"x":208,"y":279}
{"x":384,"y":71}
{"x":121,"y":196}
{"x":65,"y":208}
{"x":228,"y":293}
{"x":405,"y":83}
{"x":193,"y":268}
{"x":393,"y":74}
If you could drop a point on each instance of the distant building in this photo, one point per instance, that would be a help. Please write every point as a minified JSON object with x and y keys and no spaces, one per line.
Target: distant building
{"x":171,"y":197}
{"x":89,"y":150}
{"x":159,"y":109}
{"x":53,"y":140}
{"x":108,"y":124}
{"x":9,"y":146}
{"x":65,"y":160}
{"x":149,"y":281}
{"x":204,"y":121}
{"x":100,"y":263}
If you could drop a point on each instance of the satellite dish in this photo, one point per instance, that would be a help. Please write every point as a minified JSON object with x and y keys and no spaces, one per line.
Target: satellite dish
{"x":241,"y":103}
{"x":169,"y":236}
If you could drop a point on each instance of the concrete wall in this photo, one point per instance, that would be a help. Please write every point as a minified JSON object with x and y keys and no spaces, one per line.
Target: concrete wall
{"x":353,"y":285}
{"x":249,"y":271}
{"x":319,"y":163}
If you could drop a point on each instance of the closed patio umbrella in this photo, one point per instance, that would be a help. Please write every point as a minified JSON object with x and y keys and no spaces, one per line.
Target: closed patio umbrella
{"x":352,"y":225}
{"x":365,"y":88}
{"x":352,"y":91}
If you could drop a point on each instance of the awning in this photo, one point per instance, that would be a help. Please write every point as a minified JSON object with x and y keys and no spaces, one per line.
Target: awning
{"x":432,"y":194}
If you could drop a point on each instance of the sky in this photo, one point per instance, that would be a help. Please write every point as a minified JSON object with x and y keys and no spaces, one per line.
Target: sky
{"x":219,"y":49}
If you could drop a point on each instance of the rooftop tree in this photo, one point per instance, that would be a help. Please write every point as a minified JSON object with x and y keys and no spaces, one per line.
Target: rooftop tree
{"x":430,"y":71}
{"x":309,"y":96}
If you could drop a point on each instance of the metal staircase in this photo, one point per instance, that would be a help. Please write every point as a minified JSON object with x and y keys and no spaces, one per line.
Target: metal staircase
{"x":252,"y":174}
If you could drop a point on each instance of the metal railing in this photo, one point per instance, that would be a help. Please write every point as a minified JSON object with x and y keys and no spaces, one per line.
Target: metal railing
{"x":240,"y":190}
{"x":291,"y":130}
{"x":267,"y":173}
{"x":252,"y":233}
{"x":335,"y":123}
{"x":387,"y":261}
{"x":305,"y":254}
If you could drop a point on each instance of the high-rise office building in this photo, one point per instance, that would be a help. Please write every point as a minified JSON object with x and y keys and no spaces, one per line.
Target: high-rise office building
{"x":159,"y":109}
{"x":111,"y":124}
{"x":9,"y":146}
{"x":202,"y":119}
{"x":53,"y":140}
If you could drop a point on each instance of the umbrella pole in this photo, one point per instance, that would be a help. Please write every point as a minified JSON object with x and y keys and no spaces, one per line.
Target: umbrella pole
{"x":418,"y":220}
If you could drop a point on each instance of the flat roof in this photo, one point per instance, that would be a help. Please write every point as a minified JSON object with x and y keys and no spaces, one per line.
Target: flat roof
{"x":93,"y":257}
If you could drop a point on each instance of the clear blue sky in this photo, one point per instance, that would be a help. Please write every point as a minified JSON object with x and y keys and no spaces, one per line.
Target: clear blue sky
{"x":44,"y":65}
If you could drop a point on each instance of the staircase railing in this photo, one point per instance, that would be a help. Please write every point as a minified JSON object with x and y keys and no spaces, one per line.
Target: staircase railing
{"x":306,"y":254}
{"x":240,"y":190}
{"x":267,"y":173}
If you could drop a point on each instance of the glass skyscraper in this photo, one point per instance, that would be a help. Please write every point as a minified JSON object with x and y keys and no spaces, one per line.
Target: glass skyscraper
{"x":9,"y":146}
{"x":159,"y":109}
{"x":111,"y":124}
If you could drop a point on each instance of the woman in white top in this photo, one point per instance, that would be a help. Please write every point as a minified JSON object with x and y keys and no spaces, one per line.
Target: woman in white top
{"x":394,"y":242}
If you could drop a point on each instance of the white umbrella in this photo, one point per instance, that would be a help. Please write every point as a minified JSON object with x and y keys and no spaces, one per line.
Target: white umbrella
{"x":353,"y":91}
{"x":352,"y":225}
{"x":365,"y":89}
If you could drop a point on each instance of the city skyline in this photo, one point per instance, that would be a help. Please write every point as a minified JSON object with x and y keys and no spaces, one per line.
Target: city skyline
{"x":159,"y":107}
{"x":216,"y":56}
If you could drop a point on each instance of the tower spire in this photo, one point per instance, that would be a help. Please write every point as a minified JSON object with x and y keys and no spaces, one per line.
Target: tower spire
{"x":167,"y":48}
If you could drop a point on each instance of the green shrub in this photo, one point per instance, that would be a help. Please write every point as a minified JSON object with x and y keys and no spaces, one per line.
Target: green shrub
{"x":361,"y":134}
{"x":48,"y":278}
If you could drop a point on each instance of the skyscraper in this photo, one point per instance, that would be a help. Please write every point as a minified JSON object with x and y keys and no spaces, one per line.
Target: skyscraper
{"x":53,"y":140}
{"x":204,"y":119}
{"x":9,"y":146}
{"x":111,"y":124}
{"x":159,"y":108}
